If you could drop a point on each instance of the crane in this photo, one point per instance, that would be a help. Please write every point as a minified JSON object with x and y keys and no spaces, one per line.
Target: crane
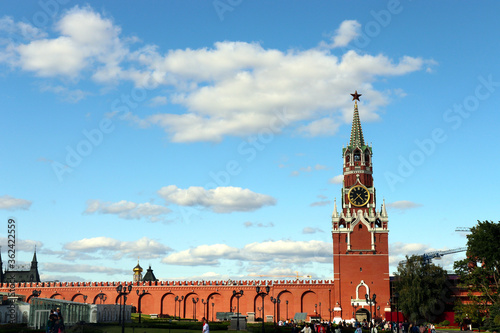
{"x":428,"y":256}
{"x":438,"y":254}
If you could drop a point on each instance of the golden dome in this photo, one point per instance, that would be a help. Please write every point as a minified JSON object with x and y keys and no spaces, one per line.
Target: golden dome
{"x":138,"y":268}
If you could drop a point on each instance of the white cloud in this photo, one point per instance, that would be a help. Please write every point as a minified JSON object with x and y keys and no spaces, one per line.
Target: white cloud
{"x":25,"y":245}
{"x":274,"y":252}
{"x":403,"y":205}
{"x":310,"y":230}
{"x":52,"y":57}
{"x":10,"y":203}
{"x":19,"y":30}
{"x":62,"y":277}
{"x":81,"y":268}
{"x":86,"y":40}
{"x":399,"y":248}
{"x":204,"y":255}
{"x":246,"y":84}
{"x":220,"y":200}
{"x":307,"y":169}
{"x":320,"y":127}
{"x":249,"y":224}
{"x":320,"y":203}
{"x":93,"y":244}
{"x":336,"y":180}
{"x":143,"y":247}
{"x":230,"y":89}
{"x":158,"y":101}
{"x":127,"y":210}
{"x":289,"y":251}
{"x":72,"y":96}
{"x":398,"y":251}
{"x":348,"y":30}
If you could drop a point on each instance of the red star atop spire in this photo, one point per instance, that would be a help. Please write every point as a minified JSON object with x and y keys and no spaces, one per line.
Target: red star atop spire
{"x":355,"y":96}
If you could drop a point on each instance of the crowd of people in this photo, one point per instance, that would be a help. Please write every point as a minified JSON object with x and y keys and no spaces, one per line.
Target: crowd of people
{"x":55,"y":323}
{"x":359,"y":326}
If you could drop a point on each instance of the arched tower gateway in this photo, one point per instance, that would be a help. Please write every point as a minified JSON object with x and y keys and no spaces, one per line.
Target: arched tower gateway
{"x":360,"y":235}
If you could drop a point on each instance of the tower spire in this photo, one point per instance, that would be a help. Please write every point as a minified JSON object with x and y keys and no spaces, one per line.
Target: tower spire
{"x":1,"y":267}
{"x":34,"y":261}
{"x":357,"y":139}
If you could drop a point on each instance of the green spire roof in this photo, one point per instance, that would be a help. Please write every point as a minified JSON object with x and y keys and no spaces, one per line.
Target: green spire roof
{"x":357,"y":139}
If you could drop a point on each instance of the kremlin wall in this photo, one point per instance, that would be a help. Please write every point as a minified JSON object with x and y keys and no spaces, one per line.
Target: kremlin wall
{"x":315,"y":297}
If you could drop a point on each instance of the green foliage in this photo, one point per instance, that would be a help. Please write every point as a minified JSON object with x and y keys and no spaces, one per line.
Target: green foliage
{"x":180,"y":325}
{"x":422,"y":289}
{"x":268,"y":328}
{"x":492,"y":321}
{"x":444,"y":323}
{"x":480,"y":275}
{"x":84,"y":328}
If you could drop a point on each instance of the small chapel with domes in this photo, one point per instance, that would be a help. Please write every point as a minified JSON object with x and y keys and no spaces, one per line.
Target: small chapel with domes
{"x":149,"y":276}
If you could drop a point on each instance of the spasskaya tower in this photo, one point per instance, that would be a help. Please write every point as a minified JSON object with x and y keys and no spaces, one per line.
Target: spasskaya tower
{"x":360,"y":235}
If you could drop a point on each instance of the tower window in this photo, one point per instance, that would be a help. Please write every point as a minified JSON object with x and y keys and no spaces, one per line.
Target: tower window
{"x":357,"y":156}
{"x":360,"y":226}
{"x":361,"y":269}
{"x":347,"y":159}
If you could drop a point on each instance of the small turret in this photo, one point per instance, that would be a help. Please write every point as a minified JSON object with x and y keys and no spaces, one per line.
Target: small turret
{"x":383,"y":213}
{"x":34,"y":275}
{"x":1,"y":267}
{"x":34,"y":261}
{"x":149,"y":275}
{"x":335,"y":213}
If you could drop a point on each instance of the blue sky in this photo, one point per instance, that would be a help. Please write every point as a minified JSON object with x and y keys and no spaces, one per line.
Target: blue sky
{"x":205,"y":138}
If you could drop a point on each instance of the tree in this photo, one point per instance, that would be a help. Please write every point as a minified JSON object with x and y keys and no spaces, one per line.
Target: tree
{"x":422,"y":289}
{"x":479,"y":275}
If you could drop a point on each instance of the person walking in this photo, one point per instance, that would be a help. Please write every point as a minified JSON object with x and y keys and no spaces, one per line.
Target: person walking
{"x":306,"y":329}
{"x":50,"y":323}
{"x":205,"y":329}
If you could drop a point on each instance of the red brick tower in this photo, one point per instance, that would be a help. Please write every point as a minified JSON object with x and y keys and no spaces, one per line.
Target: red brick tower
{"x":360,"y":236}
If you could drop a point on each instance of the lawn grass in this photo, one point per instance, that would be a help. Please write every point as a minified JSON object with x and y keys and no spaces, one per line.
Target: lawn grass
{"x":118,"y":329}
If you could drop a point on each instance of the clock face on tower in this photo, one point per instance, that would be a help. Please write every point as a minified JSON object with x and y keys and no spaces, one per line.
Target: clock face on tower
{"x":358,"y":195}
